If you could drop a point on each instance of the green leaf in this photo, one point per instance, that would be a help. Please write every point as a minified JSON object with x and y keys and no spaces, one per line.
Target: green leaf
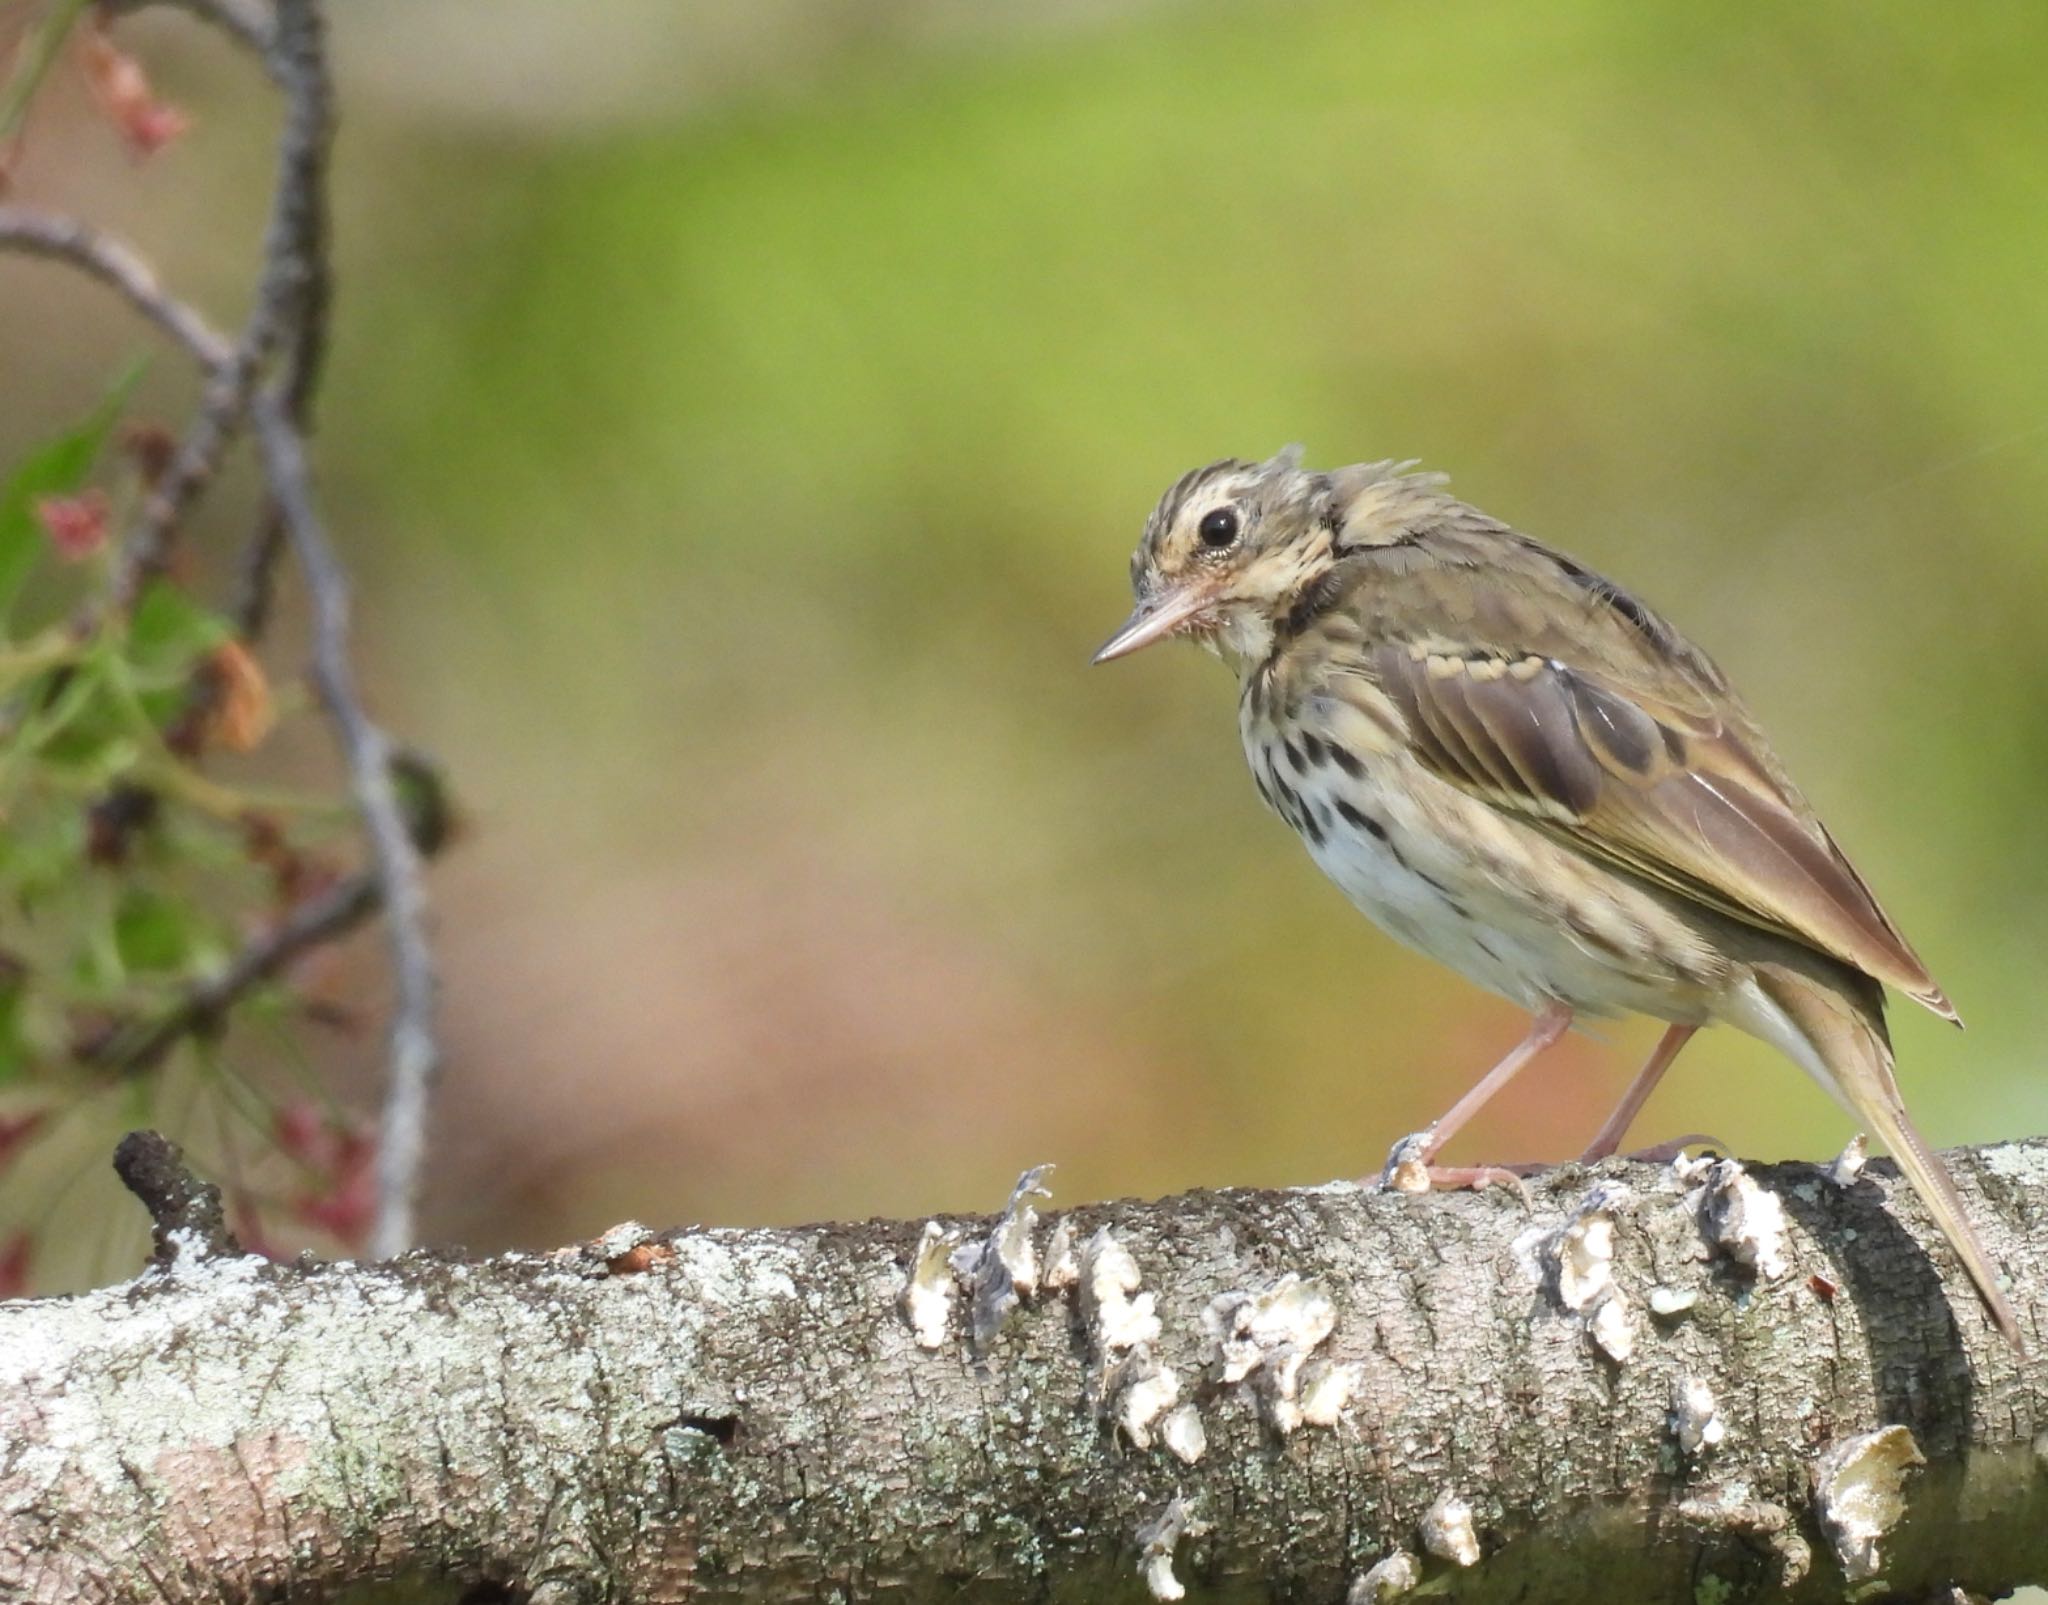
{"x":157,"y":933}
{"x":55,"y":469}
{"x":170,"y":632}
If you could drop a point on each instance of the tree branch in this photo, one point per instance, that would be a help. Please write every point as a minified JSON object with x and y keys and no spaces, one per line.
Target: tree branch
{"x":320,"y":919}
{"x":290,"y":313}
{"x":1690,"y":1383}
{"x":119,"y":265}
{"x":396,"y":859}
{"x":189,"y":1220}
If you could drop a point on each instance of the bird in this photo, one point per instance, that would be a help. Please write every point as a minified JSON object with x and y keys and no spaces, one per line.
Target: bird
{"x":1515,"y":766}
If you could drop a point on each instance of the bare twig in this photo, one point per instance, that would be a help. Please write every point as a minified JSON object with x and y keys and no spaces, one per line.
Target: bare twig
{"x":114,"y":262}
{"x":185,"y":1211}
{"x":290,"y":310}
{"x":290,"y":304}
{"x":297,"y":281}
{"x":318,"y":920}
{"x":415,"y":1058}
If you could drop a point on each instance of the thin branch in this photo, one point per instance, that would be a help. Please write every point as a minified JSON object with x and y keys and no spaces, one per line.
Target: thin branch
{"x":291,"y":309}
{"x":117,"y":264}
{"x":299,"y":236}
{"x":415,"y":1057}
{"x":290,"y":303}
{"x":315,"y":922}
{"x":187,"y":1215}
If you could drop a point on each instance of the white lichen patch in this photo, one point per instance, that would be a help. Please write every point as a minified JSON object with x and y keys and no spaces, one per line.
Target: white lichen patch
{"x":1582,"y":1254}
{"x":1138,"y":1390}
{"x":1848,"y":1164}
{"x":1118,"y":1315}
{"x":1388,"y":1579}
{"x":1668,"y":1301}
{"x":1184,"y":1435}
{"x":1696,"y":1416}
{"x":1859,"y":1495}
{"x":1574,"y":1263}
{"x":2012,"y":1160}
{"x":1268,"y":1338}
{"x":928,"y":1291}
{"x":1326,"y":1389}
{"x":1740,"y":1219}
{"x":1157,"y":1540}
{"x":1062,"y":1269}
{"x":1611,"y":1329}
{"x":623,"y":1238}
{"x":1406,"y":1171}
{"x":1447,"y":1531}
{"x":1001,"y":1270}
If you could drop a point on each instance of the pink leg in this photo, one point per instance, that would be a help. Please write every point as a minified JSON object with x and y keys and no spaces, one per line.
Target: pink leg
{"x":1638,"y":1094}
{"x":1550,"y":1025}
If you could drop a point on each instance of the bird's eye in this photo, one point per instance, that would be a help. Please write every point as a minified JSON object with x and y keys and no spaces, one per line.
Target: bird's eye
{"x":1218,"y":527}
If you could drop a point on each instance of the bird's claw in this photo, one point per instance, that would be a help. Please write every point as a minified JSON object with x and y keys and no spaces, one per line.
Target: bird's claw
{"x":1408,"y":1170}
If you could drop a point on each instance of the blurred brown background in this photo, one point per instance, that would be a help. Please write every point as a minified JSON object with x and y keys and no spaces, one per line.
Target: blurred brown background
{"x":740,"y":416}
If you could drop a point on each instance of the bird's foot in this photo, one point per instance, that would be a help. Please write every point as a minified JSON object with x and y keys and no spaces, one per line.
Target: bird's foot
{"x":1408,"y":1170}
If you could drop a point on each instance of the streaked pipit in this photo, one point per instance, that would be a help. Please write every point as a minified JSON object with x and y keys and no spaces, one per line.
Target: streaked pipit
{"x":1512,"y":765}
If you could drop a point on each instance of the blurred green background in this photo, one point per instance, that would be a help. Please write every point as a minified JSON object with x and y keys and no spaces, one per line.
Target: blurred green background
{"x":740,"y":417}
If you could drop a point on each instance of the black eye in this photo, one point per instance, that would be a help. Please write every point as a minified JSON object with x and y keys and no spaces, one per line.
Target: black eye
{"x":1219,"y":526}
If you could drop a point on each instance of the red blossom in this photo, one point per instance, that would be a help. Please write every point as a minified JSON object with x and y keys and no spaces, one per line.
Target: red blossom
{"x":76,"y":525}
{"x":345,"y":1208}
{"x":304,"y":1131}
{"x":119,"y":84}
{"x":341,"y":1155}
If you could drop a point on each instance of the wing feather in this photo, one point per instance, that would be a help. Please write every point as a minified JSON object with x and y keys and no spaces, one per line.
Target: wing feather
{"x":1669,"y":790}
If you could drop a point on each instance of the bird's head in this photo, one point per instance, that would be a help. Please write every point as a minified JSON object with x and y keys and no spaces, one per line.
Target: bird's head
{"x":1225,"y":554}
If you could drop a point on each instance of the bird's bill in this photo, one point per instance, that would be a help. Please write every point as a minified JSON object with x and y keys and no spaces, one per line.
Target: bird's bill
{"x":1154,"y":621}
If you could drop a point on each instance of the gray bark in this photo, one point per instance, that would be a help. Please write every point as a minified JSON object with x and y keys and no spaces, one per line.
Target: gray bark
{"x":1464,"y":1380}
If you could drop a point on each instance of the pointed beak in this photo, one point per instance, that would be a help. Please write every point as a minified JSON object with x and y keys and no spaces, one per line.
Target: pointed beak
{"x":1153,"y":621}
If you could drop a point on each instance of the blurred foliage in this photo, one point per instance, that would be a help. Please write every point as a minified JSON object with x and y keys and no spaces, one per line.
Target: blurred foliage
{"x":745,"y":488}
{"x":128,"y":876}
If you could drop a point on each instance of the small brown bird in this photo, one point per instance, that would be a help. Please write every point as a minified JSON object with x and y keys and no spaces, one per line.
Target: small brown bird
{"x":1512,"y":765}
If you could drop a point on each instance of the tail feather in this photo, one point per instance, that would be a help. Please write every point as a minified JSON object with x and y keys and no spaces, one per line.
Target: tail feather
{"x":1851,"y":1056}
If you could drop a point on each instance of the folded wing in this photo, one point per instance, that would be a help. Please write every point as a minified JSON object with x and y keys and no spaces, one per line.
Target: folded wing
{"x":1669,"y":790}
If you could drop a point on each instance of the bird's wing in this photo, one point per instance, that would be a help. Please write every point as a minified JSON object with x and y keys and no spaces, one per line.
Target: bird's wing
{"x":1677,"y":788}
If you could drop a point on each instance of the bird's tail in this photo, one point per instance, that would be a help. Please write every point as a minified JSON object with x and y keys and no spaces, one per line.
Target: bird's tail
{"x":1851,"y":1055}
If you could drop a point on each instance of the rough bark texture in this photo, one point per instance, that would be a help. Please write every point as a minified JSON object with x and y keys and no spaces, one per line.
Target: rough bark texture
{"x":756,"y":1415}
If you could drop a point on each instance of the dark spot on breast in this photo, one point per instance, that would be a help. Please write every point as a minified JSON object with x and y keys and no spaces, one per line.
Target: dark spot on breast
{"x":1443,"y":892}
{"x":1348,"y":761}
{"x":1312,"y":830}
{"x":1359,"y":819}
{"x":1313,"y":745}
{"x":1294,"y":757}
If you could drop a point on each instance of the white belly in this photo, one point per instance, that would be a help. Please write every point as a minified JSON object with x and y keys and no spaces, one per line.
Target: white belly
{"x":1468,"y":904}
